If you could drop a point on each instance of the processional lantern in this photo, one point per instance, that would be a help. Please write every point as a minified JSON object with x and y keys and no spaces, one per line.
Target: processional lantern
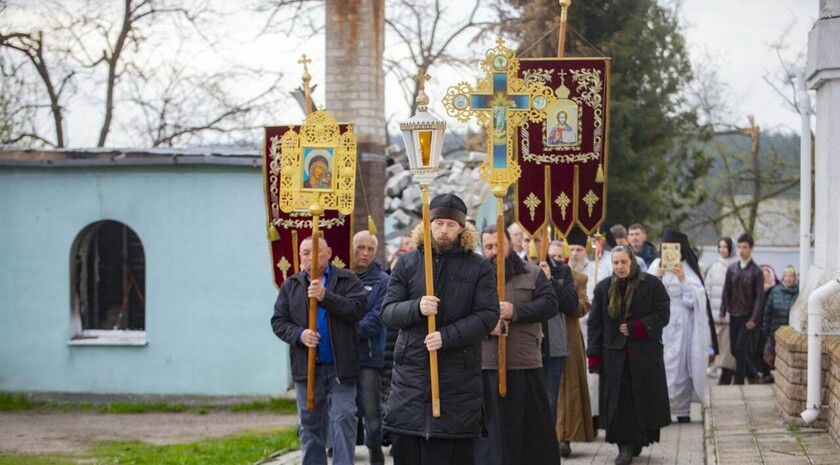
{"x":423,"y":136}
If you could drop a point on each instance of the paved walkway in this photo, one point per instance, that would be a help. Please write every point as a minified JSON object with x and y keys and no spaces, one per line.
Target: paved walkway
{"x":742,"y":427}
{"x":739,"y":427}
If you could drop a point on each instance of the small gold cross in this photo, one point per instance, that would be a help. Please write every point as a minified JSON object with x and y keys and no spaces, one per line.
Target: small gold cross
{"x":305,"y":60}
{"x":421,"y":77}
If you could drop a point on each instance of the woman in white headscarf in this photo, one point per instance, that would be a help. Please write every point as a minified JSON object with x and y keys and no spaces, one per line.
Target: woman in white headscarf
{"x":686,"y":338}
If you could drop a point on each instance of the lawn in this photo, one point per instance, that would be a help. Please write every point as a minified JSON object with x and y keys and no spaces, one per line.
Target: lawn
{"x":242,"y":449}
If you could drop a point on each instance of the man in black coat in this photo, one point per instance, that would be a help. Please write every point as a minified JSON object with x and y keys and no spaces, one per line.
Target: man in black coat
{"x":341,"y":304}
{"x":466,"y":305}
{"x":743,"y":298}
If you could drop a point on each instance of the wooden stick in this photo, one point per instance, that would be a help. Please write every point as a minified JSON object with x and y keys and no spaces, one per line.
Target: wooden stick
{"x":561,"y":41}
{"x":313,"y":313}
{"x":500,"y":286}
{"x":430,"y":291}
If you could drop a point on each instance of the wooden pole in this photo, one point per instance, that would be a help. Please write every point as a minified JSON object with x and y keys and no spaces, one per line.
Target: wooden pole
{"x":561,"y":41}
{"x":500,"y":286}
{"x":546,"y":237}
{"x":430,"y":291}
{"x":313,"y":306}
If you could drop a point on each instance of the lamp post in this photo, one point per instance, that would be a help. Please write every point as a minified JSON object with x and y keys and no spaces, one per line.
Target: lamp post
{"x":423,"y":136}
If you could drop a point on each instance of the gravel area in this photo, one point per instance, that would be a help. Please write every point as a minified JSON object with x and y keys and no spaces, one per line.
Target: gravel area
{"x":55,"y":432}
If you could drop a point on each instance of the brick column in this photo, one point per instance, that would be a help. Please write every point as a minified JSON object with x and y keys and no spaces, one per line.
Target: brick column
{"x":355,"y":93}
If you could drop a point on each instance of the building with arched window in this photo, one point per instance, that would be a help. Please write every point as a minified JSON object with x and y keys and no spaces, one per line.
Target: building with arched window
{"x":136,"y":272}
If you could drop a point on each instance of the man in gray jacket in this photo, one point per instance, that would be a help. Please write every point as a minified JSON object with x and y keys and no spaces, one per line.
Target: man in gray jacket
{"x":520,"y":426}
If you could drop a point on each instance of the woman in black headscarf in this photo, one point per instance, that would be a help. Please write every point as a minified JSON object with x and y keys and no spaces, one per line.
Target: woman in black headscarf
{"x":625,"y":346}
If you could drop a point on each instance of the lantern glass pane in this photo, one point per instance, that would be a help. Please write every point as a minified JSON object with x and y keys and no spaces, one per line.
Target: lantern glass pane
{"x":425,"y":146}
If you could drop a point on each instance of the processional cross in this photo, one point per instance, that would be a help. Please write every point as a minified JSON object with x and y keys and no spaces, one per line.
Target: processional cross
{"x":500,"y":102}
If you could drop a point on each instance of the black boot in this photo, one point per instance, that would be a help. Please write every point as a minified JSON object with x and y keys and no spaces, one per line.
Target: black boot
{"x":376,"y":456}
{"x":565,"y":449}
{"x":625,"y":454}
{"x":637,"y":450}
{"x":725,"y":377}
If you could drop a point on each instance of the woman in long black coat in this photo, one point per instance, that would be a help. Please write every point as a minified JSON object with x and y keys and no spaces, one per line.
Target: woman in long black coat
{"x":628,"y":313}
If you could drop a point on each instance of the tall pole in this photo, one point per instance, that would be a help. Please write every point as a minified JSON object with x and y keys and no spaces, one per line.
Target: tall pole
{"x":316,"y":212}
{"x":500,"y":282}
{"x":561,"y":41}
{"x":804,"y":176}
{"x":430,"y":291}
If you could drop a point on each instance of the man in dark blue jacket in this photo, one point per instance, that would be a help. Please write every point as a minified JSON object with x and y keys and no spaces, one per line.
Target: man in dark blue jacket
{"x":341,"y":304}
{"x":371,"y":342}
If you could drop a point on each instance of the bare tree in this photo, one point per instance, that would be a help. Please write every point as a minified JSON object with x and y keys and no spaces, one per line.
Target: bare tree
{"x":128,"y":51}
{"x":188,"y":104}
{"x":427,"y":31}
{"x":32,"y":47}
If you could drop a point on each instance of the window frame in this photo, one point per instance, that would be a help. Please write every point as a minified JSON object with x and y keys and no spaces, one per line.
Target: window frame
{"x":79,"y":336}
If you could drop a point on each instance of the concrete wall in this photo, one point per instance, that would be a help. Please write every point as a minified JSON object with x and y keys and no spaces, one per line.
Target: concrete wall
{"x":208,"y":291}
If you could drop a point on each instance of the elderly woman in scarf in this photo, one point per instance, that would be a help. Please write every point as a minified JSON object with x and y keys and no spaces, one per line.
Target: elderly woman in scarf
{"x":629,"y":312}
{"x":687,"y":337}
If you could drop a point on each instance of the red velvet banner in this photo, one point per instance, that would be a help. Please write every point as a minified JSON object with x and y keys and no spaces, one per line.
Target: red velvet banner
{"x":295,"y":226}
{"x":564,"y":158}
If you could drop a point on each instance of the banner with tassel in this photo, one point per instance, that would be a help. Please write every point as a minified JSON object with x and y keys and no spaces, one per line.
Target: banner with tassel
{"x":286,"y":230}
{"x":571,"y":142}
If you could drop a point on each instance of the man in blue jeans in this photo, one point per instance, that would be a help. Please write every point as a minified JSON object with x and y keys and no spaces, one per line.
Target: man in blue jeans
{"x":341,"y":304}
{"x":371,"y":342}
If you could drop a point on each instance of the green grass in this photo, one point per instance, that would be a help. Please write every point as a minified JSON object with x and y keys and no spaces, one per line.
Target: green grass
{"x":44,"y":459}
{"x":141,"y":407}
{"x":232,"y":450}
{"x":10,"y":402}
{"x":279,"y":406}
{"x":14,"y":402}
{"x":242,"y":449}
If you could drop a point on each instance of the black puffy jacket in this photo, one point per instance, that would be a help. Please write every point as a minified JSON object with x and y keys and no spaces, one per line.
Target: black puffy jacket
{"x":469,"y":309}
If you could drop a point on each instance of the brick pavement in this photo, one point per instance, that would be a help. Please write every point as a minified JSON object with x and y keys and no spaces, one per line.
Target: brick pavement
{"x":742,"y":427}
{"x":739,"y":427}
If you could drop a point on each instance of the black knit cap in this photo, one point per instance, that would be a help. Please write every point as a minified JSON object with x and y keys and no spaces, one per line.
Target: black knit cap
{"x":448,"y":206}
{"x":576,"y":237}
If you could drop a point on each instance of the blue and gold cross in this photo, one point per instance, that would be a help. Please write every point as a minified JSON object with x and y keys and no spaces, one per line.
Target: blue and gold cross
{"x":501,"y":102}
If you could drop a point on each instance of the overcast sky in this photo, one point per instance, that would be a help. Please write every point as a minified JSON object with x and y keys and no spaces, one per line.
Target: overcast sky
{"x":734,"y":35}
{"x":738,"y":35}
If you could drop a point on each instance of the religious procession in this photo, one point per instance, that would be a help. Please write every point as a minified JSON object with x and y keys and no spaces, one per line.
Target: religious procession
{"x":512,"y":341}
{"x":560,"y":245}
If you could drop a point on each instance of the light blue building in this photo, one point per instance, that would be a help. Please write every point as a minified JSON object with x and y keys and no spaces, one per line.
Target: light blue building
{"x":136,"y":272}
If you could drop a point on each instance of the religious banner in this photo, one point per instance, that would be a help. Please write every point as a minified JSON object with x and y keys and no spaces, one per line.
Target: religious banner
{"x":564,"y":158}
{"x":287,"y":229}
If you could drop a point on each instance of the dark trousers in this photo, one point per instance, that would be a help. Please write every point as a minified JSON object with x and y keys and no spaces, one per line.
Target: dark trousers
{"x":739,"y":339}
{"x":553,"y":373}
{"x":414,"y":450}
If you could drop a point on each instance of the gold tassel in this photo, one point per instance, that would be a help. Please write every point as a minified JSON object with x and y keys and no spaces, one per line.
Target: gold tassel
{"x":371,"y":226}
{"x":599,"y":175}
{"x":566,"y":250}
{"x":532,"y":250}
{"x":273,"y":234}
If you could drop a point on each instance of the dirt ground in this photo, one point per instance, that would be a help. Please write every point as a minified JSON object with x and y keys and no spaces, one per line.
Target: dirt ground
{"x":52,"y":432}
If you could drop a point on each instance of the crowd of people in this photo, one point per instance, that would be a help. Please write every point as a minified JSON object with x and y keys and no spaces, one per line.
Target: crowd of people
{"x":602,"y":334}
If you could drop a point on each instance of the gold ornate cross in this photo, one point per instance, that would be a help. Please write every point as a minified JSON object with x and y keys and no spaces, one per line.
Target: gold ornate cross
{"x":501,"y":102}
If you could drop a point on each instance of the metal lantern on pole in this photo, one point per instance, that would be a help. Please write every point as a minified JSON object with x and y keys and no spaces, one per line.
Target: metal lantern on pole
{"x":423,"y":135}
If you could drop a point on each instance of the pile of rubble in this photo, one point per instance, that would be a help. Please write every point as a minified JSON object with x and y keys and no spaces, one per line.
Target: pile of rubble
{"x":403,"y":199}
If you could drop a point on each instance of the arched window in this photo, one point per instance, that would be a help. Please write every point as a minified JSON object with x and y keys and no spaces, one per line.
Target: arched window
{"x":108,"y":279}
